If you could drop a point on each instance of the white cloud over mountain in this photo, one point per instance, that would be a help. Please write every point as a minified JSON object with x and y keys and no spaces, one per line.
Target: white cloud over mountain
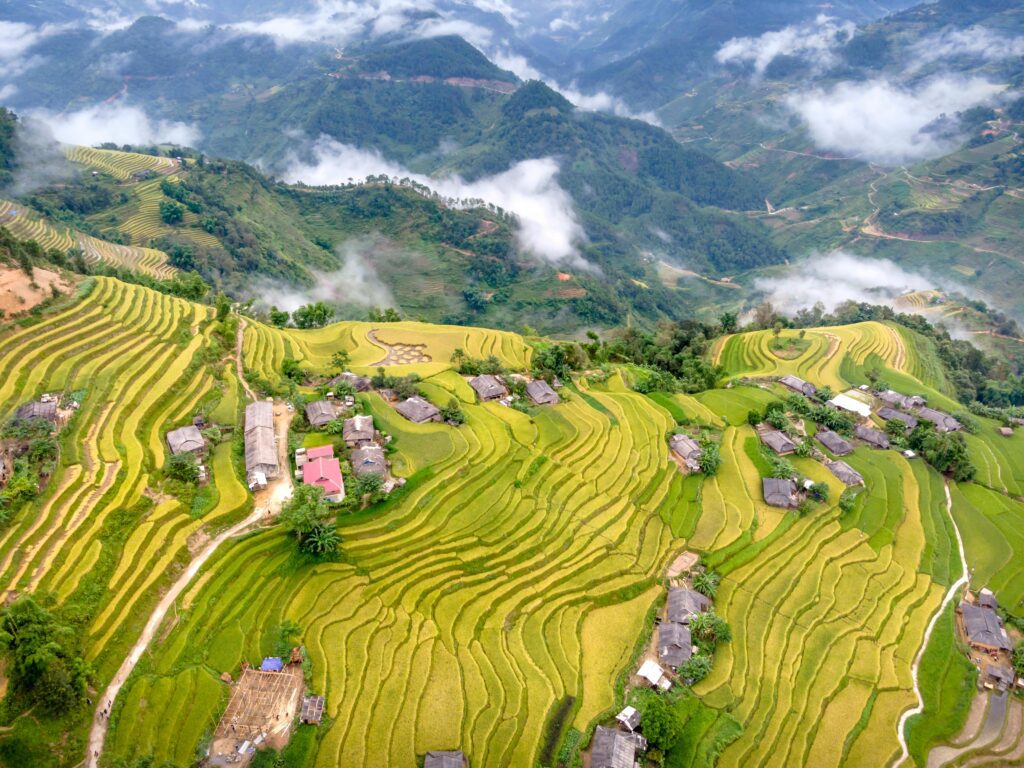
{"x":116,"y":123}
{"x":814,"y":41}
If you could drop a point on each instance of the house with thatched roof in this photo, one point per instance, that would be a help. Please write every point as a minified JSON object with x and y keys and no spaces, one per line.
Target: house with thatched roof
{"x":983,"y":628}
{"x":847,"y":474}
{"x":541,"y":393}
{"x":943,"y":421}
{"x":445,"y":759}
{"x":488,"y":387}
{"x":891,"y":414}
{"x":358,"y":431}
{"x":798,"y":385}
{"x":687,"y":449}
{"x":418,"y":410}
{"x":873,"y":437}
{"x":899,"y":400}
{"x":320,"y":413}
{"x":675,"y":646}
{"x":834,"y":442}
{"x":186,"y":440}
{"x":614,"y":749}
{"x":358,"y":383}
{"x":778,"y":441}
{"x":260,"y":441}
{"x":369,"y":460}
{"x":779,"y":492}
{"x":685,"y":603}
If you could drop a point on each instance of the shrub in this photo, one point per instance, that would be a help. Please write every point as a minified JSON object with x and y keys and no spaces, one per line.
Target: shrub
{"x":183,"y":467}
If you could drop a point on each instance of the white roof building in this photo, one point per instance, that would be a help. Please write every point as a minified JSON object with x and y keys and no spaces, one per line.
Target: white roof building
{"x":652,"y":672}
{"x":846,"y":403}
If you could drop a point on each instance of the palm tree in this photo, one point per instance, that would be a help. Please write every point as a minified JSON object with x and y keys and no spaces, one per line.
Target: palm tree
{"x":706,"y":582}
{"x":322,"y":540}
{"x":702,"y":625}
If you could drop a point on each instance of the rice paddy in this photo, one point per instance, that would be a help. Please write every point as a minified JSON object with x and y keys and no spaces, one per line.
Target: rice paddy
{"x":120,"y":165}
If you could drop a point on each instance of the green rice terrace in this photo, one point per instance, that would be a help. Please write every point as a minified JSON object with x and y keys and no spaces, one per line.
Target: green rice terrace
{"x":500,"y":600}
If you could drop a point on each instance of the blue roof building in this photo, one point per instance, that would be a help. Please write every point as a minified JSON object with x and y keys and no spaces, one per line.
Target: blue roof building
{"x":272,"y":664}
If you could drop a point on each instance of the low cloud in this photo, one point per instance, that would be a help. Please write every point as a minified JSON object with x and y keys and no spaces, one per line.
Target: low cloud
{"x":115,"y":123}
{"x":886,"y":123}
{"x":833,"y":278}
{"x":356,"y":284}
{"x":974,"y":42}
{"x":40,"y":159}
{"x":548,"y":227}
{"x":815,"y":42}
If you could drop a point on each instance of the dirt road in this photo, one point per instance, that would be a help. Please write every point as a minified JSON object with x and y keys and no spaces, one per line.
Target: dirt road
{"x":950,"y":594}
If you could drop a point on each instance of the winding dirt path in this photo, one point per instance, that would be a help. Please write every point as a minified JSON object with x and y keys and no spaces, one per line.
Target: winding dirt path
{"x":239,"y":368}
{"x":950,"y":594}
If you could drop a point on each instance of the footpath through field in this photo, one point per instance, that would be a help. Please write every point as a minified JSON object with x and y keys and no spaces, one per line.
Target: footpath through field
{"x":950,"y":594}
{"x":268,"y":504}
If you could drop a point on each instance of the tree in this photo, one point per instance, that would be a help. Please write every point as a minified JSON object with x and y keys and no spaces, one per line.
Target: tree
{"x":710,"y":456}
{"x":895,"y":428}
{"x":321,"y":540}
{"x":171,"y":212}
{"x":706,"y":582}
{"x":452,"y":413}
{"x":183,"y":467}
{"x":315,"y":315}
{"x":291,"y":370}
{"x":819,"y":492}
{"x":696,"y":668}
{"x":728,"y":321}
{"x":305,"y":511}
{"x":278,"y":317}
{"x":847,"y":501}
{"x":662,"y":725}
{"x":1018,"y":659}
{"x":223,"y":305}
{"x":340,"y":360}
{"x":777,"y":328}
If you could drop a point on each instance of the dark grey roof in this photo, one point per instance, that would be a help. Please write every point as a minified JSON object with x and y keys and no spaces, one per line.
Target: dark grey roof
{"x":684,"y":603}
{"x":845,"y":472}
{"x":942,"y":421}
{"x":320,"y":413}
{"x":890,"y":414}
{"x":488,"y":387}
{"x":987,"y":600}
{"x":612,"y":749}
{"x":873,"y":436}
{"x":359,"y":383}
{"x":834,"y":442}
{"x":418,"y":410}
{"x":312,"y":709}
{"x":675,"y":645}
{"x":38,"y":410}
{"x":185,"y":439}
{"x":1001,"y":674}
{"x":261,"y":451}
{"x":779,"y":492}
{"x":450,"y":759}
{"x":369,"y":460}
{"x":798,"y":385}
{"x":541,"y":392}
{"x":778,"y":442}
{"x":358,"y":429}
{"x":259,"y":414}
{"x":983,"y":626}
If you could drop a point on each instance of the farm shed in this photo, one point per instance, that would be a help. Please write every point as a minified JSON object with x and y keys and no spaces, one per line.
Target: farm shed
{"x":326,"y":473}
{"x":629,"y":717}
{"x":614,"y":749}
{"x":845,"y":472}
{"x":687,"y":449}
{"x":891,"y":414}
{"x":834,"y":442}
{"x":312,"y":710}
{"x":39,"y":409}
{"x":186,"y":440}
{"x":1006,"y":431}
{"x":872,"y":436}
{"x":1001,"y":677}
{"x":369,"y":460}
{"x":320,"y":413}
{"x":358,"y":431}
{"x":683,"y":603}
{"x":449,"y":759}
{"x":541,"y":393}
{"x":845,"y":402}
{"x":488,"y":387}
{"x":272,"y":664}
{"x":798,"y":385}
{"x":418,"y":410}
{"x":778,"y":442}
{"x":779,"y":492}
{"x":260,"y":442}
{"x":358,"y":383}
{"x":675,"y":646}
{"x":654,"y":674}
{"x":983,"y":628}
{"x":943,"y":421}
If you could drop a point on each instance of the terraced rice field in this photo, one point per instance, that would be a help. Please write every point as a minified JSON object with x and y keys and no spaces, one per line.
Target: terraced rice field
{"x":460,"y":616}
{"x":266,"y":347}
{"x":30,"y":226}
{"x":142,"y":221}
{"x":94,"y":539}
{"x":120,"y":165}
